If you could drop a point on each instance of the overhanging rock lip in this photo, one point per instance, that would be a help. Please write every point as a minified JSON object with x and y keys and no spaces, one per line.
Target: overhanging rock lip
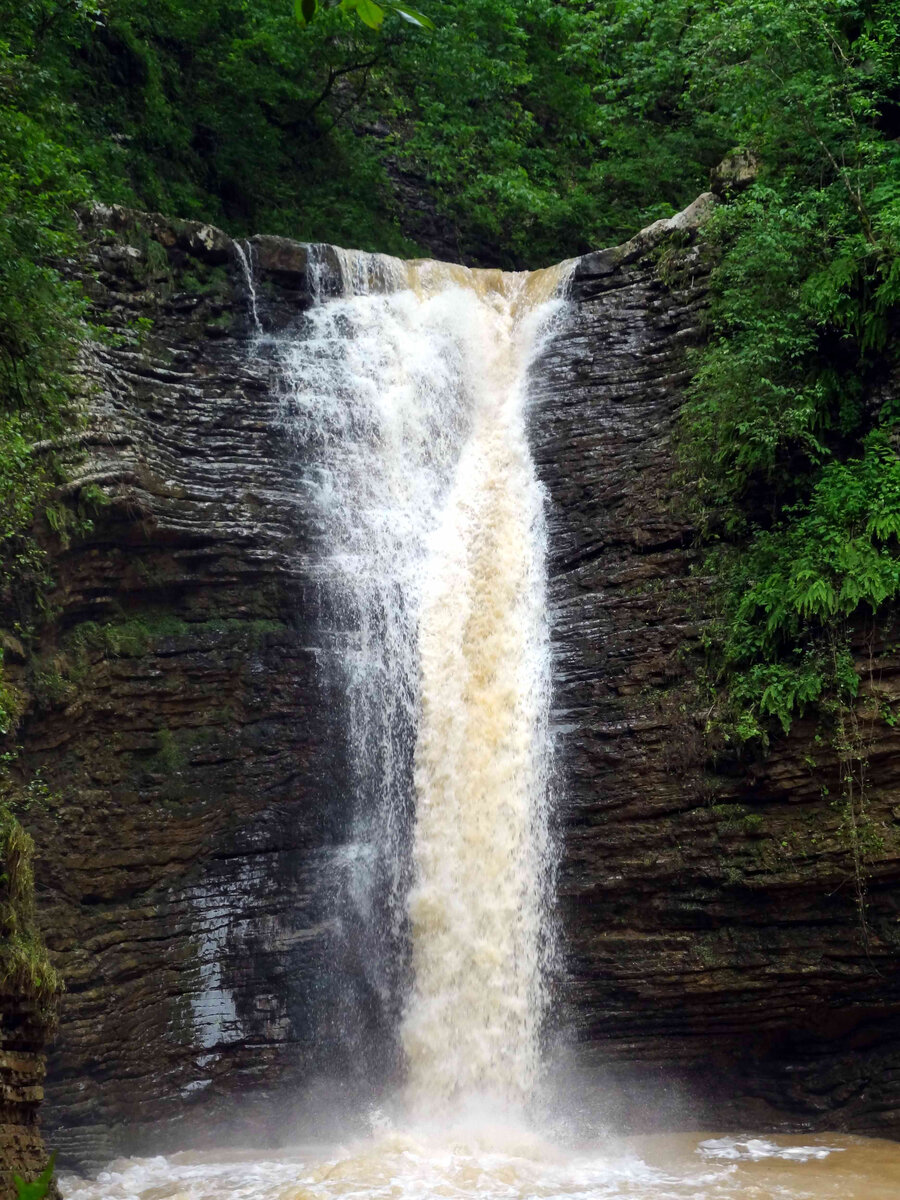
{"x":599,"y":263}
{"x":199,"y":238}
{"x":288,"y":258}
{"x":284,"y":257}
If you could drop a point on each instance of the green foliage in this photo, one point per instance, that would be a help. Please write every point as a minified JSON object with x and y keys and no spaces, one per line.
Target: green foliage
{"x":23,"y":960}
{"x":40,"y":313}
{"x":228,"y":112}
{"x":170,"y":754}
{"x":139,"y":635}
{"x":527,"y":130}
{"x":545,"y":130}
{"x":367,"y":11}
{"x":788,"y":585}
{"x":11,"y":703}
{"x":790,"y":433}
{"x":38,"y":1188}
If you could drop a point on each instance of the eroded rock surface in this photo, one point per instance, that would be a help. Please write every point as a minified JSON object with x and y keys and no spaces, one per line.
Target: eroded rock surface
{"x":718,"y":968}
{"x":23,"y":1034}
{"x":726,"y":961}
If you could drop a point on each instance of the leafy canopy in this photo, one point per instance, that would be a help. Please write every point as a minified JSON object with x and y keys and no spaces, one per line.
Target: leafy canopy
{"x":513,"y":133}
{"x":791,"y":430}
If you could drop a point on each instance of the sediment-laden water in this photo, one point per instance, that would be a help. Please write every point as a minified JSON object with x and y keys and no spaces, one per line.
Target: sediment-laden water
{"x":406,"y":396}
{"x":499,"y":1165}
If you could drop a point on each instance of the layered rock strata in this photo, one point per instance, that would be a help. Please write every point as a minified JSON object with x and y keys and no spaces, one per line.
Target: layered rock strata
{"x":179,"y":717}
{"x":719,"y":965}
{"x":731,"y":923}
{"x":23,"y":1034}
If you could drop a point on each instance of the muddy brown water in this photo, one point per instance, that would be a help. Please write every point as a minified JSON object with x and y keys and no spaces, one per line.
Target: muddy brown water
{"x":493,"y":1164}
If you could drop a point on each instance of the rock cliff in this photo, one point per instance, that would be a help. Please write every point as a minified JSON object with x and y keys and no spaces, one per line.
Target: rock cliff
{"x":732,"y":955}
{"x":22,"y":1038}
{"x":720,"y":967}
{"x":178,"y":718}
{"x":27,"y":995}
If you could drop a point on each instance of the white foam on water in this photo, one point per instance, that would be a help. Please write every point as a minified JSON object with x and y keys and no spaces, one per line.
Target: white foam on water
{"x":397,"y":1167}
{"x":756,"y":1149}
{"x":501,"y":1162}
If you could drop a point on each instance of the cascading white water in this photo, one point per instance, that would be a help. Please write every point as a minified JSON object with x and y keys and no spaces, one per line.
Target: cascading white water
{"x":408,"y":394}
{"x":245,"y":262}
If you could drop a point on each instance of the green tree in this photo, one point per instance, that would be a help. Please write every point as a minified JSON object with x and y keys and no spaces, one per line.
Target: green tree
{"x":790,"y":431}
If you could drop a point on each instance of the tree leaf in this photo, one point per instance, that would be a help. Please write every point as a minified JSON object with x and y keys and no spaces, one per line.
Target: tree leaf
{"x":411,"y":15}
{"x":305,"y":10}
{"x":370,"y":13}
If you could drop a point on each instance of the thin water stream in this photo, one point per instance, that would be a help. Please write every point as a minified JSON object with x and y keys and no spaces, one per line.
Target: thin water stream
{"x":405,"y":393}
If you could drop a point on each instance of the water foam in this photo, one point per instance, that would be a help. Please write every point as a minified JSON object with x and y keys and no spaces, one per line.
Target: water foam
{"x":501,"y":1164}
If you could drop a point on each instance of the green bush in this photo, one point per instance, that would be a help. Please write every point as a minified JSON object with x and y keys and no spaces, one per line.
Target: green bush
{"x":791,"y":433}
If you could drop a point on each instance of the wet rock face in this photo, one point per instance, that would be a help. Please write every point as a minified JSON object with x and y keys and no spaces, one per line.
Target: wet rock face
{"x":726,"y":964}
{"x":716,"y":967}
{"x":182,"y":721}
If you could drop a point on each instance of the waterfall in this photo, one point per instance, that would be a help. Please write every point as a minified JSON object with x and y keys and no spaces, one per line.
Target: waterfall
{"x":405,"y":390}
{"x":245,"y":261}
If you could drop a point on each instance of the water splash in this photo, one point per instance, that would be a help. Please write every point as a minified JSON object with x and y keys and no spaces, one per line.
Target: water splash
{"x":492,"y":1166}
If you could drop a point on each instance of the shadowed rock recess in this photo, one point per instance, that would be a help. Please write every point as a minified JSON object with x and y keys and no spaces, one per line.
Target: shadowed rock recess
{"x":716,"y":969}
